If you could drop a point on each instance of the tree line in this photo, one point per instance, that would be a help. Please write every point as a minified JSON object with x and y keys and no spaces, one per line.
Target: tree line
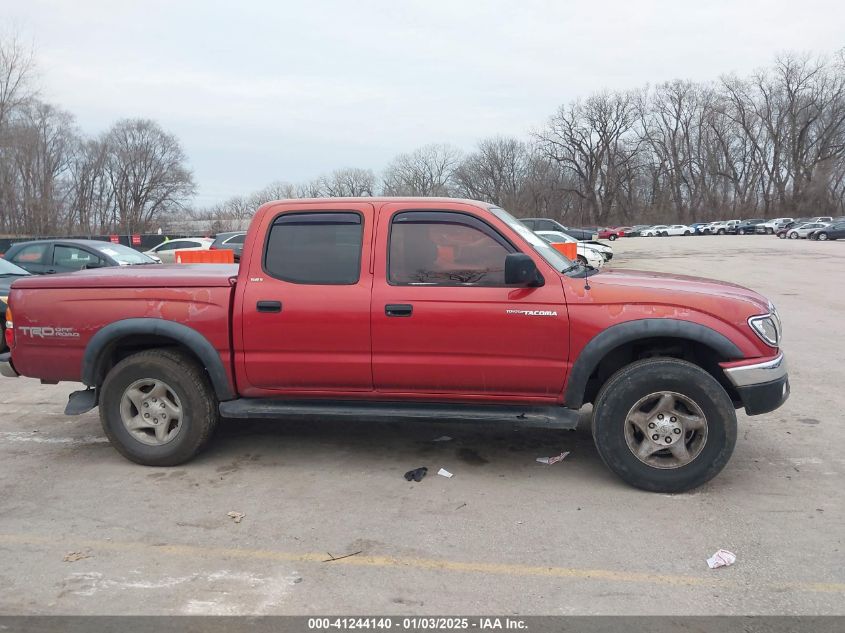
{"x":766,"y":145}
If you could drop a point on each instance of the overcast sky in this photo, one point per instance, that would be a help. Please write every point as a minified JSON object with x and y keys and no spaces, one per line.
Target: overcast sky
{"x":260,"y":91}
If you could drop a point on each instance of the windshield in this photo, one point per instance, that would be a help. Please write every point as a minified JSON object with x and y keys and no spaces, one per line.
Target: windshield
{"x":543,"y":249}
{"x":124,"y":255}
{"x":9,"y":269}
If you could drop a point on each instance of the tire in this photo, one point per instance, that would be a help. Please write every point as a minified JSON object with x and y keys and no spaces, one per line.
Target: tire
{"x":741,"y":231}
{"x":709,"y":449}
{"x":769,"y":231}
{"x":793,"y":236}
{"x":664,"y":234}
{"x":686,"y":232}
{"x":782,"y":236}
{"x":822,"y":237}
{"x":721,"y":231}
{"x":612,"y":237}
{"x":184,"y":384}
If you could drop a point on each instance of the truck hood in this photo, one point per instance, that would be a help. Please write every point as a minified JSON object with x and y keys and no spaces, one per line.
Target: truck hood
{"x":145,"y":276}
{"x":714,"y":297}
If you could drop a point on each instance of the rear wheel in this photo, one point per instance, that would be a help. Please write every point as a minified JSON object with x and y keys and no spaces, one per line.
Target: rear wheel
{"x":721,"y":231}
{"x":664,"y":425}
{"x":822,"y":237}
{"x":782,"y":236}
{"x":157,"y":408}
{"x":769,"y":231}
{"x":793,"y":236}
{"x":686,"y":232}
{"x":612,"y":237}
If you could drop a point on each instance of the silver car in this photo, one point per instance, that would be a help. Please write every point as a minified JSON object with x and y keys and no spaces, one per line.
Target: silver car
{"x":803,"y":230}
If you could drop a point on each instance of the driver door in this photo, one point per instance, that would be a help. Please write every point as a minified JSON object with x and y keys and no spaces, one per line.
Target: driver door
{"x":443,"y":320}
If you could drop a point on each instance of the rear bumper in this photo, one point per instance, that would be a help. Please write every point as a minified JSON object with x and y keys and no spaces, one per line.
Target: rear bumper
{"x":6,"y":367}
{"x":763,"y":386}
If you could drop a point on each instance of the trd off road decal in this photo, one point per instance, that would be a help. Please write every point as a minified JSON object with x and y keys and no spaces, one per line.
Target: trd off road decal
{"x":48,"y":332}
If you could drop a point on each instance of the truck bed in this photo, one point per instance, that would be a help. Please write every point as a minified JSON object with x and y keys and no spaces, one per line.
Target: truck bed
{"x":57,"y":315}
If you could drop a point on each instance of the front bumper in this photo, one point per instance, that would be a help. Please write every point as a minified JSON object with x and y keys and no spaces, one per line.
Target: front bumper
{"x":762,"y":387}
{"x":6,"y":367}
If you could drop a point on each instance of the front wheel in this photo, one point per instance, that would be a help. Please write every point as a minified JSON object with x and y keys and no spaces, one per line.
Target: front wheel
{"x":793,"y":236}
{"x":664,"y":425}
{"x":742,"y":231}
{"x":686,"y":232}
{"x":769,"y":231}
{"x":822,"y":237}
{"x":721,"y":231}
{"x":612,"y":238}
{"x":782,"y":236}
{"x":157,"y":408}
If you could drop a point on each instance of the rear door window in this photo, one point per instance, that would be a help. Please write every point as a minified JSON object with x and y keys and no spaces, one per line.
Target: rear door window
{"x":318,"y":248}
{"x":73,"y":258}
{"x":32,"y":254}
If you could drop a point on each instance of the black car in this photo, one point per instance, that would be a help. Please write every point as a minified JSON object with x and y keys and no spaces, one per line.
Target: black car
{"x":8,"y":274}
{"x":748,"y":227}
{"x":45,"y":257}
{"x":833,"y":232}
{"x":233,"y":241}
{"x":544,"y":224}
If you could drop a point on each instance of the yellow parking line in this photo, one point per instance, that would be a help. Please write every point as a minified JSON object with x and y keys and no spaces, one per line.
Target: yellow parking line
{"x":503,"y":569}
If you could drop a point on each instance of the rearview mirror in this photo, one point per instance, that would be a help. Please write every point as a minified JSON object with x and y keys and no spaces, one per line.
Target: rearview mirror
{"x":520,"y":270}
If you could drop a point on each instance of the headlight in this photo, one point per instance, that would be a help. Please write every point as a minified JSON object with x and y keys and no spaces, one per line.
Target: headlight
{"x":767,"y":326}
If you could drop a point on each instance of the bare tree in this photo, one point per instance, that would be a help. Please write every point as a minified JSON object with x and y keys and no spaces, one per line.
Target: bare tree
{"x":148,"y":173}
{"x":427,"y":171}
{"x":351,"y":182}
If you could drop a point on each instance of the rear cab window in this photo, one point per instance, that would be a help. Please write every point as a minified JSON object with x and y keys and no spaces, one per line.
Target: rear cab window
{"x":315,"y":247}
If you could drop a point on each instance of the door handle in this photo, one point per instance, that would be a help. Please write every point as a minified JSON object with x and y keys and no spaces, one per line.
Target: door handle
{"x":52,"y":271}
{"x":398,"y":309}
{"x":269,"y":306}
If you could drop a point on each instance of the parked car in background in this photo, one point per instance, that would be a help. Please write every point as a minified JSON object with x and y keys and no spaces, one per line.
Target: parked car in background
{"x":45,"y":257}
{"x":801,"y":231}
{"x":545,"y":224}
{"x":8,"y":273}
{"x":611,"y":233}
{"x":637,"y":229}
{"x":747,"y":227}
{"x":723,"y":227}
{"x":699,"y":227}
{"x":834,"y":231}
{"x":784,"y":229}
{"x":166,"y":251}
{"x":820,"y":218}
{"x":233,"y":241}
{"x":591,"y":253}
{"x":665,"y":230}
{"x":770,"y":227}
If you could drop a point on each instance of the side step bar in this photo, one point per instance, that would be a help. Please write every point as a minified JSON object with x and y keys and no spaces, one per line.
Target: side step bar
{"x":550,"y":417}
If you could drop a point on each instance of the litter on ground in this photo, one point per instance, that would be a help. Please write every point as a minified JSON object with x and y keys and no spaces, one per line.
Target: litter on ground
{"x":237,"y":516}
{"x":72,"y":557}
{"x":444,"y":473}
{"x":417,"y":474}
{"x":552,"y":460}
{"x":722,"y":558}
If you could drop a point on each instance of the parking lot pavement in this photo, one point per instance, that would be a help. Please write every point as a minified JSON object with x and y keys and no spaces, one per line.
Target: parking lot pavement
{"x":504,"y":535}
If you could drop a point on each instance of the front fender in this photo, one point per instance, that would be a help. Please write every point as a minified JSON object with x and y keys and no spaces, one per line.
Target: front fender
{"x":614,"y":336}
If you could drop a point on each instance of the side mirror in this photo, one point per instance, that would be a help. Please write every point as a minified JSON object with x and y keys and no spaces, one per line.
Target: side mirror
{"x":520,"y":270}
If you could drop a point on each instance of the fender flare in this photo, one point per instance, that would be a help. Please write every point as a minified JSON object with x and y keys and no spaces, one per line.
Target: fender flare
{"x":614,"y":336}
{"x":190,"y":338}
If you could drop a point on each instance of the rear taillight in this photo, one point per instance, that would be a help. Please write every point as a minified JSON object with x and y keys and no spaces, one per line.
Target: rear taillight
{"x":10,"y":329}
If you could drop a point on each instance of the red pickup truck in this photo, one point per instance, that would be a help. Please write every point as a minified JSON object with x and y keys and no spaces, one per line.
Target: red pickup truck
{"x":406,"y":307}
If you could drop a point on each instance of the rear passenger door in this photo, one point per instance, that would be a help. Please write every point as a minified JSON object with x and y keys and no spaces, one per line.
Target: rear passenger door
{"x":305,"y":310}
